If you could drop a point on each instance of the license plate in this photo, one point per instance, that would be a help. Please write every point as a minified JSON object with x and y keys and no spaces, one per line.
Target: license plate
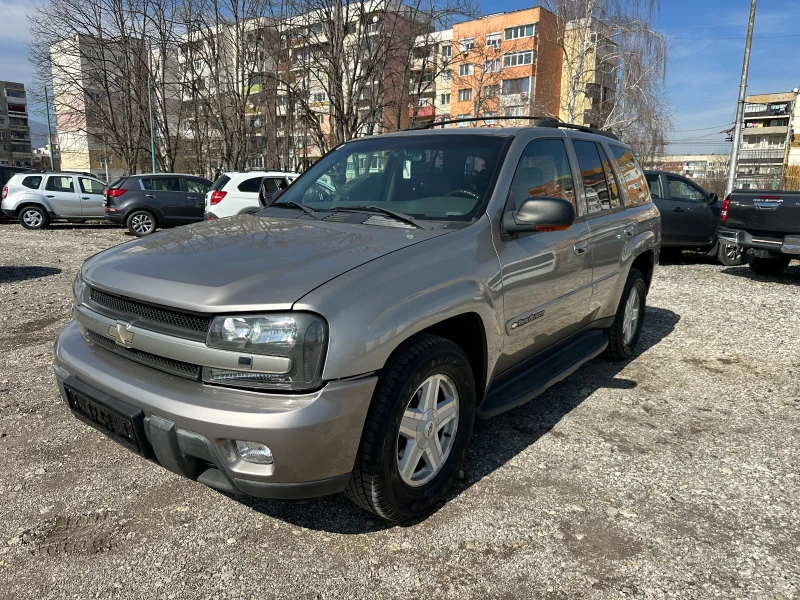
{"x":117,"y":420}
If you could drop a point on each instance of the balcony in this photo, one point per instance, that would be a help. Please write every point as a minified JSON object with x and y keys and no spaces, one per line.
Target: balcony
{"x":17,"y":110}
{"x":767,"y":113}
{"x":781,"y":129}
{"x":514,"y":99}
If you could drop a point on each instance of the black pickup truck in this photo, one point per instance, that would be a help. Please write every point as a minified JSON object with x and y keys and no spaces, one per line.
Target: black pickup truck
{"x":765,"y":224}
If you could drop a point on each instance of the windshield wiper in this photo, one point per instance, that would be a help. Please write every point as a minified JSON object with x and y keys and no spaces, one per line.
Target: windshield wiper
{"x":292,"y":204}
{"x":392,"y":213}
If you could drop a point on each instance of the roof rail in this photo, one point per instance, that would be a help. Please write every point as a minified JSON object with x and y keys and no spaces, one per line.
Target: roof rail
{"x":541,"y":121}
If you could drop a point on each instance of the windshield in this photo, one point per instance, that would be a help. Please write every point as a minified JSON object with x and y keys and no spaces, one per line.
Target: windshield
{"x":433,"y":177}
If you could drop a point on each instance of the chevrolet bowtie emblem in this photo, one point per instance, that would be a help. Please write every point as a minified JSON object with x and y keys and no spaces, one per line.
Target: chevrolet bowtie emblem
{"x":121,"y":334}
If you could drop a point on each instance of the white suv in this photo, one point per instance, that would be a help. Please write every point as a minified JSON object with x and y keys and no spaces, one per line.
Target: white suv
{"x":237,"y":193}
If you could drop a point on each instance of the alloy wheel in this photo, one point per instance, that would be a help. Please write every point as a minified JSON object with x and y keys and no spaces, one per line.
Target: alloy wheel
{"x":141,"y":223}
{"x":32,"y":218}
{"x":732,"y":252}
{"x":630,"y":322}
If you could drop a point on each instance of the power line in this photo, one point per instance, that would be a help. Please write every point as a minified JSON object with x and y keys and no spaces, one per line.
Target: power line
{"x":701,"y":128}
{"x":757,"y":37}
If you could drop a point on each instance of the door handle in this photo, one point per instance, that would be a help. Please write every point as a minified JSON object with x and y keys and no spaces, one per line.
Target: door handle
{"x":677,"y":209}
{"x":628,"y":231}
{"x":580,"y":248}
{"x":50,"y":195}
{"x":149,"y":196}
{"x":85,"y":198}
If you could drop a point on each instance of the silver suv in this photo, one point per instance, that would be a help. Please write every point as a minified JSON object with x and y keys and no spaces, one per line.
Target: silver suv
{"x":36,"y":199}
{"x":346,"y":336}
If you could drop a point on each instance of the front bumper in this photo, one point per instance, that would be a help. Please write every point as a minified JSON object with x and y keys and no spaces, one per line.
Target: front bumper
{"x":190,"y":426}
{"x":789,"y":244}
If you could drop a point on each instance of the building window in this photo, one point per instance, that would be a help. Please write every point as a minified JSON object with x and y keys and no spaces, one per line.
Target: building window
{"x":447,"y":51}
{"x":493,"y":40}
{"x":516,"y":86}
{"x":464,"y":70}
{"x":319,"y":97}
{"x":464,"y":116}
{"x":373,"y":27}
{"x":492,"y":66}
{"x":467,"y":44}
{"x":444,"y":99}
{"x":518,"y":58}
{"x":488,"y":118}
{"x":2,"y":135}
{"x":515,"y":111}
{"x":513,"y":33}
{"x":490,"y":91}
{"x":447,"y":74}
{"x":465,"y":95}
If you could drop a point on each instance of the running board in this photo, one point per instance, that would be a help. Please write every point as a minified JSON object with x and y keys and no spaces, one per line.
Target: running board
{"x":542,"y":374}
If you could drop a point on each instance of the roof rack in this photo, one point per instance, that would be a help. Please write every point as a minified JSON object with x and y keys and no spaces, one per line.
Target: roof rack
{"x":541,"y":121}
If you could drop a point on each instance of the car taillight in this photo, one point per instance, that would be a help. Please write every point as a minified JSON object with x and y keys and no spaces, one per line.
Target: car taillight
{"x":5,"y":192}
{"x":217,"y":196}
{"x":723,"y":215}
{"x":115,"y":193}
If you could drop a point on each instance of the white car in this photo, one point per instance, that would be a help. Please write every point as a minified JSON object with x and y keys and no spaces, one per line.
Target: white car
{"x":237,"y":193}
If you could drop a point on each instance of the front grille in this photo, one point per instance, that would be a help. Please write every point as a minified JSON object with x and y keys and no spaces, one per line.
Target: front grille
{"x":124,"y":307}
{"x":174,"y":367}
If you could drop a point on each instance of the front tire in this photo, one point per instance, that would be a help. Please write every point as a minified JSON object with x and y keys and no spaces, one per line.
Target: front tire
{"x":769,"y":266}
{"x":417,"y":430}
{"x":729,"y":255}
{"x":624,"y":333}
{"x":141,"y":222}
{"x":33,"y":217}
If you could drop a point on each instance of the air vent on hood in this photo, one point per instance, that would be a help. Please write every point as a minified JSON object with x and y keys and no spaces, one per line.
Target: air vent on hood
{"x":381,"y":221}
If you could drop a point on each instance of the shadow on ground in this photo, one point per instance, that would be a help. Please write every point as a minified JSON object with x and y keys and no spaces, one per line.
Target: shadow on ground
{"x":687,"y":257}
{"x":494,"y":442}
{"x":791,"y":276}
{"x":12,"y":274}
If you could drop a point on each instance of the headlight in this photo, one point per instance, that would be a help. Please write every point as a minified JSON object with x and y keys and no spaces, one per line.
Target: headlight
{"x":79,"y":290}
{"x":301,"y":337}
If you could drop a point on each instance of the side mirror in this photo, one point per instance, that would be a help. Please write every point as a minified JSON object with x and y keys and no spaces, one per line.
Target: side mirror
{"x":712,"y":198}
{"x":540,"y":214}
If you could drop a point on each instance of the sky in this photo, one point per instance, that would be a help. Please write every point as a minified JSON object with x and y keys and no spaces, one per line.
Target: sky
{"x":707,"y":44}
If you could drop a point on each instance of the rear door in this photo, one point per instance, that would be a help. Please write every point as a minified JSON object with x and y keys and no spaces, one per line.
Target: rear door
{"x":92,"y":199}
{"x":62,"y":194}
{"x":695,"y":219}
{"x":165,"y":193}
{"x":270,"y":186}
{"x":196,"y":190}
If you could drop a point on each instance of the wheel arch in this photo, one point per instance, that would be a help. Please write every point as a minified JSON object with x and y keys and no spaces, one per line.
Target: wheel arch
{"x":645,"y":263}
{"x":37,"y":203}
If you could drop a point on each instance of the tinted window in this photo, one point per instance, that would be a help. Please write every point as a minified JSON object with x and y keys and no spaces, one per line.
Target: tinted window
{"x":543,"y":170}
{"x":613,"y":190}
{"x":633,"y":179}
{"x":683,"y":190}
{"x":594,"y":179}
{"x":220,"y":183}
{"x":654,"y":183}
{"x":197,"y":186}
{"x":272,"y":185}
{"x":250,"y":185}
{"x":91,"y":186}
{"x":162,"y":184}
{"x":59,"y":183}
{"x":32,"y":182}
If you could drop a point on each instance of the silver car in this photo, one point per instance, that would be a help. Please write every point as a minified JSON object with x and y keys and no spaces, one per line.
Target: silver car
{"x":347,"y":336}
{"x":37,"y":199}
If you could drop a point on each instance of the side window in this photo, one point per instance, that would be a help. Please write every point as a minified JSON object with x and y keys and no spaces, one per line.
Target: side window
{"x":683,"y":190}
{"x":195,"y":186}
{"x":166,"y":184}
{"x":654,"y":183}
{"x":594,"y":179}
{"x":271,"y":185}
{"x":60,"y":183}
{"x":32,"y":182}
{"x":543,"y":170}
{"x":613,"y":190}
{"x":90,"y":186}
{"x":250,"y":185}
{"x":633,"y":179}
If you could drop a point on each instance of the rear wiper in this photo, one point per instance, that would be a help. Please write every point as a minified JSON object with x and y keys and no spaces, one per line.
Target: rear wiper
{"x":392,"y":213}
{"x":292,"y":204}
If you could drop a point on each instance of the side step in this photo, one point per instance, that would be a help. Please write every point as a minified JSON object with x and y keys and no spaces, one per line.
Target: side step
{"x":530,"y":382}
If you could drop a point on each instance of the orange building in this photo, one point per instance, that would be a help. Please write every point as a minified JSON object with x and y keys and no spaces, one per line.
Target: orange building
{"x":506,"y":64}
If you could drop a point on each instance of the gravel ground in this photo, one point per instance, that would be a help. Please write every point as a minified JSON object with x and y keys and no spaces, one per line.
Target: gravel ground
{"x":672,"y":475}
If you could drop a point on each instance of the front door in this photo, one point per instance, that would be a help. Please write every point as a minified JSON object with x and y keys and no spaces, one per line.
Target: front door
{"x":695,"y":218}
{"x":547,"y":276}
{"x":92,"y":197}
{"x":166,"y":194}
{"x":62,"y":195}
{"x":196,"y":190}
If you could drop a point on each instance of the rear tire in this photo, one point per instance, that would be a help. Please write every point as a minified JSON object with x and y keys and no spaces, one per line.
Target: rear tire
{"x":769,"y":266}
{"x":33,"y":217}
{"x":141,"y":223}
{"x":624,"y":333}
{"x":423,"y":411}
{"x":729,"y":255}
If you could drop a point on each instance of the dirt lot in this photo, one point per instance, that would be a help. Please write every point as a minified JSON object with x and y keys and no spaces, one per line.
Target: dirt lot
{"x":673,"y":475}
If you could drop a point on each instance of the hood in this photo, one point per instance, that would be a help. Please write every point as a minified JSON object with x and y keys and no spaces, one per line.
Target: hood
{"x":244,"y":263}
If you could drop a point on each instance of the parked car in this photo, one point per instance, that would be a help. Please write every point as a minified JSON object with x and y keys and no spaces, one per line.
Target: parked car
{"x":145,"y":202}
{"x":347,"y":341}
{"x":37,"y":199}
{"x":238,"y":193}
{"x":766,"y":224}
{"x":689,"y":217}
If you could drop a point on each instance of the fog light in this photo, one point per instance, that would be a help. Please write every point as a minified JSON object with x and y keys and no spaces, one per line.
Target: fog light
{"x":254,"y":452}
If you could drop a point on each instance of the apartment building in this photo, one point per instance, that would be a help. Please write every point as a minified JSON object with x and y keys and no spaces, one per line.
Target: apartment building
{"x":694,"y":166}
{"x":15,"y":133}
{"x":431,"y":77}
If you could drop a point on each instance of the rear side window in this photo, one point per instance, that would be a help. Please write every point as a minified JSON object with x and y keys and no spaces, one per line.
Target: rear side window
{"x":162,"y":184}
{"x":272,"y":185}
{"x":595,"y":185}
{"x":543,"y":170}
{"x":654,"y":183}
{"x":633,"y":179}
{"x":250,"y":185}
{"x":197,"y":186}
{"x":32,"y":182}
{"x":90,"y":186}
{"x":613,"y":189}
{"x":220,"y":183}
{"x":60,"y":183}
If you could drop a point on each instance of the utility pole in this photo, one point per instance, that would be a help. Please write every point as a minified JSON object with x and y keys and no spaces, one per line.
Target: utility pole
{"x":152,"y":139}
{"x":737,"y":131}
{"x":49,"y":130}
